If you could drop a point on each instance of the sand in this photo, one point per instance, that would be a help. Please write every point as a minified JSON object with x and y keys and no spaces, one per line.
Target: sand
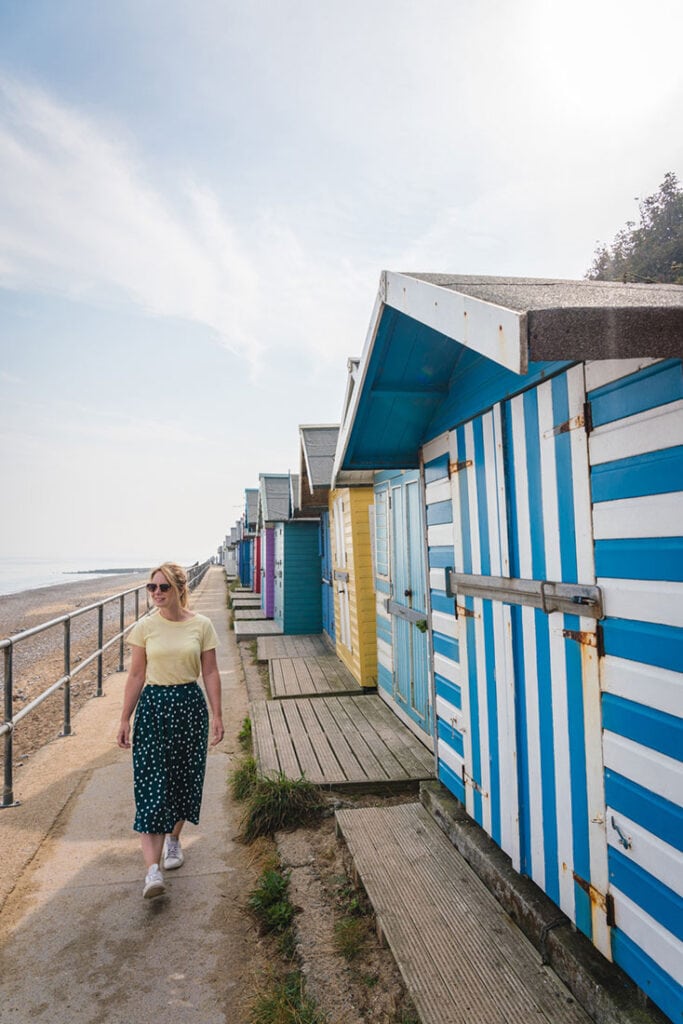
{"x":39,"y":660}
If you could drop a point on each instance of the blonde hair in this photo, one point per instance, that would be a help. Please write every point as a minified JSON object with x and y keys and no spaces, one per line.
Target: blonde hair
{"x":177,"y":577}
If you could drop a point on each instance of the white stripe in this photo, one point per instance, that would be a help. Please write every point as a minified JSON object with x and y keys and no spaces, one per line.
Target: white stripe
{"x":455,"y":499}
{"x":440,"y":535}
{"x":440,"y":490}
{"x":590,"y":668}
{"x":385,"y":655}
{"x":558,"y":674}
{"x":490,"y":476}
{"x":501,"y":476}
{"x":472,"y":500}
{"x":650,"y":936}
{"x":651,"y":853}
{"x":450,"y":670}
{"x":658,"y":688}
{"x":449,"y":714}
{"x":648,"y":431}
{"x":644,"y":600}
{"x":450,"y":758}
{"x":437,"y":579}
{"x":661,"y":514}
{"x":648,"y":768}
{"x":446,"y":624}
{"x":536,"y":824}
{"x":484,"y":746}
{"x":603,"y":371}
{"x":438,"y":446}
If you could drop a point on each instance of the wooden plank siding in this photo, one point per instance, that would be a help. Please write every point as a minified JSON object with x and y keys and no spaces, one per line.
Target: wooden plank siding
{"x":310,"y":677}
{"x":361,"y":657}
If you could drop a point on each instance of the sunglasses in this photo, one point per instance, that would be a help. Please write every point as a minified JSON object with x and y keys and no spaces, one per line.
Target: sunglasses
{"x":163,"y":587}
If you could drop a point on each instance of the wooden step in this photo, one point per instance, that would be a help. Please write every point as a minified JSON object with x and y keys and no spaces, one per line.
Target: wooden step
{"x":463,"y":959}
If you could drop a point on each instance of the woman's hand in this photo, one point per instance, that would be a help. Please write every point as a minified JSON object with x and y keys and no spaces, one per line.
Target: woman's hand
{"x":217,"y":730}
{"x":123,"y":735}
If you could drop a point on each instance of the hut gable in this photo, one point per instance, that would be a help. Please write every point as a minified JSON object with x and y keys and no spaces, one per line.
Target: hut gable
{"x":317,"y":447}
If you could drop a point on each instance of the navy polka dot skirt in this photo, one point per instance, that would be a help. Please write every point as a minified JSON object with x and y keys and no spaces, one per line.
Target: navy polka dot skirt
{"x":170,"y":739}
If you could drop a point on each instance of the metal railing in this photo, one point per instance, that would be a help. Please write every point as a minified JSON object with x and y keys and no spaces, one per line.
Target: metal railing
{"x":195,"y":574}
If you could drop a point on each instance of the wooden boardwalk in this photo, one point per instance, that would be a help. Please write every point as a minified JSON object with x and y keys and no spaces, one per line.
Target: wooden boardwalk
{"x":248,"y":614}
{"x":462,"y":958}
{"x":339,"y":742}
{"x":251,"y":630}
{"x":310,"y":677}
{"x":304,"y":646}
{"x":246,"y":602}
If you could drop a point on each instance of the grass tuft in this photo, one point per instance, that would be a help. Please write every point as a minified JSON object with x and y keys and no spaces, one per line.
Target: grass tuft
{"x":286,"y":1002}
{"x":350,"y":936}
{"x":276,"y":802}
{"x":269,"y":902}
{"x":244,"y":735}
{"x":243,"y":779}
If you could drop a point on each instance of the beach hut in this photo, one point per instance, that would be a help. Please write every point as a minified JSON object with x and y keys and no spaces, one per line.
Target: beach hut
{"x":274,"y":506}
{"x":317,"y":446}
{"x":296,"y":600}
{"x":545,"y":422}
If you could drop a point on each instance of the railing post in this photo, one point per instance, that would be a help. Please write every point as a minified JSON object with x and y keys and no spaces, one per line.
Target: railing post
{"x":100,"y":641}
{"x":7,"y":790}
{"x":122,"y":622}
{"x":66,"y":731}
{"x":137,"y":605}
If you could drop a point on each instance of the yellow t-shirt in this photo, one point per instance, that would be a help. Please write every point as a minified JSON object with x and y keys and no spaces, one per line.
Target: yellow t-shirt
{"x":173,"y":649}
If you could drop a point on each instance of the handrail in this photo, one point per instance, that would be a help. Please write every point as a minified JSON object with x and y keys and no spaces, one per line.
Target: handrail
{"x":195,"y":574}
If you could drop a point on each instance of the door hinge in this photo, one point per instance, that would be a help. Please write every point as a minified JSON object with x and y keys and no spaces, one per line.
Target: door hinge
{"x":455,"y":467}
{"x":599,"y":899}
{"x":581,"y":637}
{"x":469,"y":781}
{"x":564,"y":428}
{"x":467,"y":613}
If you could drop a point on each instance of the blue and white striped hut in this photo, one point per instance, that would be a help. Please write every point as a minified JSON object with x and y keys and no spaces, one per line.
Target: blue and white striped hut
{"x":545,"y":419}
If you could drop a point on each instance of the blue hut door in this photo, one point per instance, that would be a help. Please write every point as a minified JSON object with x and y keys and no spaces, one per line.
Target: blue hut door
{"x":408,"y":602}
{"x":531,"y":695}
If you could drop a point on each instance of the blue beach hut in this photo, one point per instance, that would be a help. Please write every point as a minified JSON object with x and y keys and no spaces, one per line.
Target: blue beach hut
{"x":543,"y":424}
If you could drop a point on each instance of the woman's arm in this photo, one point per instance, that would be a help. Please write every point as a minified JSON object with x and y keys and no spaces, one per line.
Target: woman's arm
{"x":212,"y":685}
{"x":131,"y":694}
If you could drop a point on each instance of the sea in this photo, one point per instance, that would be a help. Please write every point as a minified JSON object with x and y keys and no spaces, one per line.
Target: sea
{"x":18,"y":574}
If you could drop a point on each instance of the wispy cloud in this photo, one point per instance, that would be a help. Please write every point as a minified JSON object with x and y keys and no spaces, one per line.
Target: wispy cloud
{"x":81,"y":215}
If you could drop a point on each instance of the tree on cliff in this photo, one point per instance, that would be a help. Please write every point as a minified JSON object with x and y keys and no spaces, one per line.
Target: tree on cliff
{"x":651,"y":251}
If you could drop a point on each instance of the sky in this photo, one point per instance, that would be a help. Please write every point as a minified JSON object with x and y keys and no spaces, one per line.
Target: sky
{"x":197,"y":198}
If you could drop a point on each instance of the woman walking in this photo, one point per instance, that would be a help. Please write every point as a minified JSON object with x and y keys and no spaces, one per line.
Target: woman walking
{"x":170,"y":648}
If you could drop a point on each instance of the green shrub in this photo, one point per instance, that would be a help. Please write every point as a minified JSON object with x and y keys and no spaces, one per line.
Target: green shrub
{"x":269,"y":902}
{"x":286,"y":1003}
{"x":276,"y":802}
{"x":243,"y":779}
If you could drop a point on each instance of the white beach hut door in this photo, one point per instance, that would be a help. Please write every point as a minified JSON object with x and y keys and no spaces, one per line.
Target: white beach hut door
{"x":278,"y":568}
{"x":408,"y":604}
{"x":526,"y":595}
{"x":341,"y":572}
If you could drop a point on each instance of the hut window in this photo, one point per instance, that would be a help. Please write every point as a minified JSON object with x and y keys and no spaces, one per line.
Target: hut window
{"x":381,"y":532}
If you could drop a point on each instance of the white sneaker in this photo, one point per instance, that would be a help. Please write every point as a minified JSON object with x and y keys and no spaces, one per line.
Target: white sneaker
{"x":154,"y":883}
{"x":173,"y":855}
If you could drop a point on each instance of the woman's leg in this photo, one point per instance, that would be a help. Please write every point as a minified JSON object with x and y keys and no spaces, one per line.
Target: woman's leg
{"x":152,"y":847}
{"x":177,"y":829}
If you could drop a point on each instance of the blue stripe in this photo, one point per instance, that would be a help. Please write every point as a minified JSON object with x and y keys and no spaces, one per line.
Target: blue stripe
{"x":661,"y":817}
{"x":436,"y":469}
{"x":640,"y":558}
{"x":648,"y":975}
{"x":452,"y":782}
{"x":384,"y":679}
{"x":648,"y":642}
{"x":535,"y":487}
{"x":642,"y":724}
{"x":656,"y":899}
{"x":655,"y":385}
{"x":658,"y":472}
{"x":547,"y":765}
{"x":451,"y":737}
{"x":384,"y":629}
{"x":446,"y":646}
{"x":482,"y":502}
{"x":448,"y":690}
{"x":441,"y":557}
{"x":564,"y":481}
{"x":441,"y":603}
{"x":577,"y":771}
{"x":439,"y":512}
{"x":384,"y":586}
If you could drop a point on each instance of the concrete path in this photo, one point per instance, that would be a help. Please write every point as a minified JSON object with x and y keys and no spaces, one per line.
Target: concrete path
{"x":77,"y":941}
